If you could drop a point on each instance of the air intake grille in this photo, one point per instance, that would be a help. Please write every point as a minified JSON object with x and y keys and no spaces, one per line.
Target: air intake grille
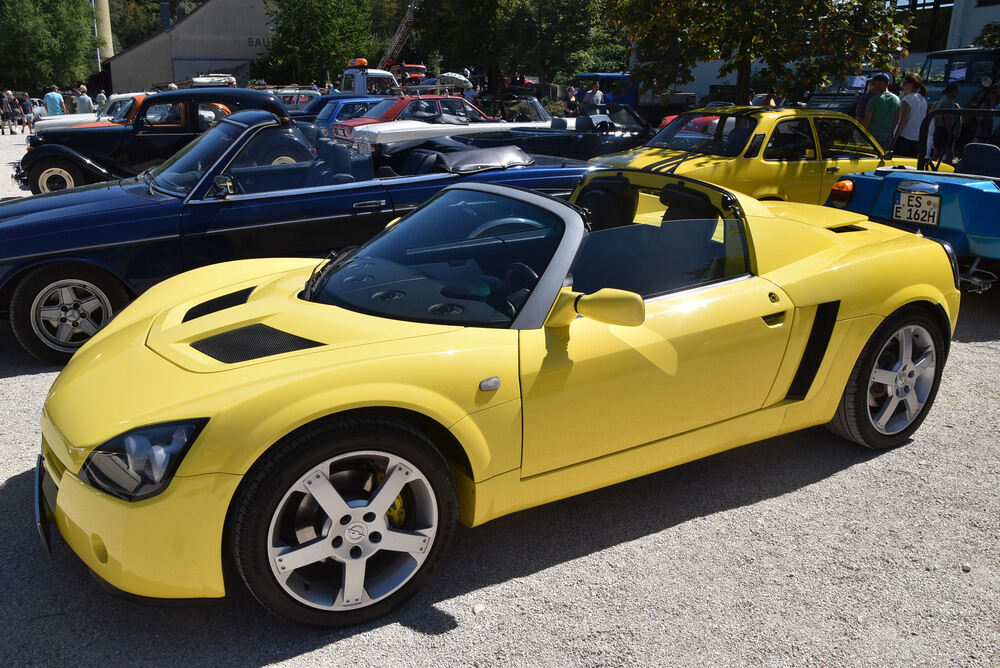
{"x":250,"y":343}
{"x":218,"y":304}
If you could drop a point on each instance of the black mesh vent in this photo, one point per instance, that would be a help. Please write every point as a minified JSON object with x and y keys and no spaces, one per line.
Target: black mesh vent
{"x":250,"y":343}
{"x":218,"y":304}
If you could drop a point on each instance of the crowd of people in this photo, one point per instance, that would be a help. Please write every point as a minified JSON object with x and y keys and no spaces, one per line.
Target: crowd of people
{"x":19,"y":111}
{"x":895,"y":120}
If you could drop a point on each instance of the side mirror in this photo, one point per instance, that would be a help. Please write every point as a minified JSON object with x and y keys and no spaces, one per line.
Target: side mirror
{"x":223,"y":186}
{"x":608,"y":305}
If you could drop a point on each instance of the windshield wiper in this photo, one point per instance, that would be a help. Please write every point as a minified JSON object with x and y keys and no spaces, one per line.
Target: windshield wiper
{"x":321,"y":270}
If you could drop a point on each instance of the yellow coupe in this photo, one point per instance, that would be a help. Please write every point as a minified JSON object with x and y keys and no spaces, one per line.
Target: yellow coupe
{"x":770,"y":154}
{"x":323,"y":427}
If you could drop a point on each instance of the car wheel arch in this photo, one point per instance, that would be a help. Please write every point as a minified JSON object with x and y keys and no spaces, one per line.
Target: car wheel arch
{"x":10,"y":284}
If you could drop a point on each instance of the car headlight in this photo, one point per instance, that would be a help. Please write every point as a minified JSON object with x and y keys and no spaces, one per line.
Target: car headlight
{"x":140,"y":463}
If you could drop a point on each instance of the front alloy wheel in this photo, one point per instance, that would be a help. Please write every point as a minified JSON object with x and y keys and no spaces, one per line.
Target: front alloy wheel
{"x":345,"y":523}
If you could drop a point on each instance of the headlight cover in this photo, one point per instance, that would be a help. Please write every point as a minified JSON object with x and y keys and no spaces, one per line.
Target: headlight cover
{"x":140,"y":463}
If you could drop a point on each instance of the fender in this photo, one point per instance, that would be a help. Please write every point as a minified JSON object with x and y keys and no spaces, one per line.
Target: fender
{"x":92,"y":171}
{"x":9,"y":279}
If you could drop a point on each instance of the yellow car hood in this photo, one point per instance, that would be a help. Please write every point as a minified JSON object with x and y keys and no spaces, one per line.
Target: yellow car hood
{"x":661,"y":160}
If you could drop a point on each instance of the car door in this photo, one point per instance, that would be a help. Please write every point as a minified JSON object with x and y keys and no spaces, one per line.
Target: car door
{"x":789,"y":167}
{"x":709,"y":349}
{"x":160,"y":130}
{"x":299,"y":206}
{"x":844,"y":148}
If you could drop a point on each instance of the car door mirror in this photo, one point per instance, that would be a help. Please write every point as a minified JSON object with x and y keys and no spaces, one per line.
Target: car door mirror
{"x":223,"y":186}
{"x":608,"y":305}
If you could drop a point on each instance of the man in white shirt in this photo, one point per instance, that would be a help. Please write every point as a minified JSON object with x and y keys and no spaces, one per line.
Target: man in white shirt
{"x":593,"y":97}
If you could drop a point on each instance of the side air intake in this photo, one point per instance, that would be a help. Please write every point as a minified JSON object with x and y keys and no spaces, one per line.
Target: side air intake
{"x":250,"y":343}
{"x":812,"y":356}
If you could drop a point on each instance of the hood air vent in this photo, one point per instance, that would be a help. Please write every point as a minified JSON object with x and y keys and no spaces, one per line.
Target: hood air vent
{"x":846,"y":228}
{"x":250,"y":343}
{"x":219,"y":303}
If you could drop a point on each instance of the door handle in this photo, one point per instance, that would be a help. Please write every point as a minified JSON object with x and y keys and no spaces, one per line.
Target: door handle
{"x":833,"y":170}
{"x":370,"y":204}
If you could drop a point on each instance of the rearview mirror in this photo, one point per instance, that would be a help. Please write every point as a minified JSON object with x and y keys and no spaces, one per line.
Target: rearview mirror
{"x":608,"y":305}
{"x":223,"y":186}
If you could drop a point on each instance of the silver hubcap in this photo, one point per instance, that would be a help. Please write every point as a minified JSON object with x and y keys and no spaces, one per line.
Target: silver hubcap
{"x":54,"y":178}
{"x":352,"y":530}
{"x":68,"y":312}
{"x":902,"y":379}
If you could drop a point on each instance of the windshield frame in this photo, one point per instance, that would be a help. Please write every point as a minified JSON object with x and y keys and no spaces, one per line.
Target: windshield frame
{"x":536,"y":308}
{"x":675,"y":126}
{"x":154,"y":172}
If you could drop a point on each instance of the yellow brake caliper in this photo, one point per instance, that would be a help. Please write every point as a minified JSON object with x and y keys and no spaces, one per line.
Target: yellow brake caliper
{"x":396,"y":512}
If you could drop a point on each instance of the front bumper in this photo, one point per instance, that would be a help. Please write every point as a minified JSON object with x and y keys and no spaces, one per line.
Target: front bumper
{"x":168,"y":546}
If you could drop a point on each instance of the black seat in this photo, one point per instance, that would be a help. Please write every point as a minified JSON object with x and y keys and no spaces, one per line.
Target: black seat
{"x":558,"y":124}
{"x":585,"y":124}
{"x":981,"y":159}
{"x":420,"y":161}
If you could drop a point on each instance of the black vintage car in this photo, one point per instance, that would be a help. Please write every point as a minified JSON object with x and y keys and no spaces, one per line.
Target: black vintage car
{"x":165,"y":123}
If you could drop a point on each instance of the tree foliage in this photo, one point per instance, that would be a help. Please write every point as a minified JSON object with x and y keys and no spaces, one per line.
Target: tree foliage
{"x":311,"y":40}
{"x":551,"y":38}
{"x":800,"y":42}
{"x":46,"y":42}
{"x":989,"y":37}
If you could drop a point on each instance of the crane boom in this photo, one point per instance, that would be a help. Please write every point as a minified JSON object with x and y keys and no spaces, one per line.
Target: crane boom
{"x":401,"y":35}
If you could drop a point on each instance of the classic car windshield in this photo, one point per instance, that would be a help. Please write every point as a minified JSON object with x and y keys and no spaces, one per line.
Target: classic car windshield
{"x":123,"y":113}
{"x":715,"y":134}
{"x":380,"y":109}
{"x":185,"y":168}
{"x":466,"y":258}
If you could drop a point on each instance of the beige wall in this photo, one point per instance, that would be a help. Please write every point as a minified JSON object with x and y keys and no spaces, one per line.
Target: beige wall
{"x":220,"y":33}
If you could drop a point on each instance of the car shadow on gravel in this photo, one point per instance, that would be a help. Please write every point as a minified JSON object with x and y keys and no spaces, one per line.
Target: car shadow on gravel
{"x":979,"y":317}
{"x":59,"y":604}
{"x":14,"y":361}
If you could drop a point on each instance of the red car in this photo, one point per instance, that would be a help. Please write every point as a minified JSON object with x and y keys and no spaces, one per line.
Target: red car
{"x":410,"y":108}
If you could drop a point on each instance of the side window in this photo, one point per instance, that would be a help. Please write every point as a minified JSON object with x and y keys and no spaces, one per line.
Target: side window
{"x":351,"y":110}
{"x":842,"y":138}
{"x":209,"y":115}
{"x":453,"y":107}
{"x":171,"y":114}
{"x":471,"y":111}
{"x":347,"y":83}
{"x":279,"y":159}
{"x":690,"y":245}
{"x":419,"y":110}
{"x":791,"y":140}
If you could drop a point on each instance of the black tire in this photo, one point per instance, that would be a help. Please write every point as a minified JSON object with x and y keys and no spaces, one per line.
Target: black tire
{"x":891,"y":391}
{"x":273,"y":516}
{"x":52,"y":174}
{"x":51,"y":332}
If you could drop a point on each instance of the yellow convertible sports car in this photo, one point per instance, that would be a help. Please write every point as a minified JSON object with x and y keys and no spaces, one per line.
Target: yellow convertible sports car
{"x":782,"y":154}
{"x":323,"y":427}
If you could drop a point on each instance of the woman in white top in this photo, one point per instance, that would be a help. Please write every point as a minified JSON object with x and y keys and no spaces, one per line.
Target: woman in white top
{"x":914,"y":109}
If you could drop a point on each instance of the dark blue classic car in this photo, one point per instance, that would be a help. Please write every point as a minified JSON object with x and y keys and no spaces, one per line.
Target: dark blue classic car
{"x":71,"y":259}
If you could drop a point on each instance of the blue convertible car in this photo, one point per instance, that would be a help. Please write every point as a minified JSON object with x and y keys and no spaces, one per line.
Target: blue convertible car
{"x":250,"y":187}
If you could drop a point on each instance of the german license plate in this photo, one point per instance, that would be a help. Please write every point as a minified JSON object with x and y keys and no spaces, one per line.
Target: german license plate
{"x":916,"y":208}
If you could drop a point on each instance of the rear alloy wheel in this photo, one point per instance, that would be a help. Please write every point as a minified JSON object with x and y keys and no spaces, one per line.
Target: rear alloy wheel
{"x":343,"y":524}
{"x":52,"y":175}
{"x":56,"y":309}
{"x":894,"y":382}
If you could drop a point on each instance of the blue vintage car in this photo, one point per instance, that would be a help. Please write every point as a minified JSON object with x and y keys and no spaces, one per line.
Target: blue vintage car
{"x":250,"y":187}
{"x":957,"y":207}
{"x":342,"y":108}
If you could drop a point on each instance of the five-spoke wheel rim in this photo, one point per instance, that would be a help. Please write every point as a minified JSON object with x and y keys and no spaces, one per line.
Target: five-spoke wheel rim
{"x":54,"y":178}
{"x":902,"y":379}
{"x":352,"y":530}
{"x":66,"y":313}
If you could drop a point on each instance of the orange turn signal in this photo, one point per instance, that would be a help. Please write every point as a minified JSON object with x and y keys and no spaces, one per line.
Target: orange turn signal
{"x":841,"y":192}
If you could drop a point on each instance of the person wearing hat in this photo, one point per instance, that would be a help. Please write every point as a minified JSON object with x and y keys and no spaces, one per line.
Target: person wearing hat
{"x":84,"y":105}
{"x":54,"y":103}
{"x":882,"y":112}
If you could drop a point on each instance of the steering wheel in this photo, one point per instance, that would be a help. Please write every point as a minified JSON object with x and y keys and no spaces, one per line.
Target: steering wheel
{"x":511,"y":221}
{"x":605,"y":126}
{"x":512,"y":272}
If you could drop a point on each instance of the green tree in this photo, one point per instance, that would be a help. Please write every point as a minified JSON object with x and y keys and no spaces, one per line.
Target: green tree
{"x":46,"y":42}
{"x":311,"y":40}
{"x":801,"y":42}
{"x":989,"y":37}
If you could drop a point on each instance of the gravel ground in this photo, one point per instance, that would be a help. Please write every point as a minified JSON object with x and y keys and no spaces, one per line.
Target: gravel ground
{"x":799,"y":550}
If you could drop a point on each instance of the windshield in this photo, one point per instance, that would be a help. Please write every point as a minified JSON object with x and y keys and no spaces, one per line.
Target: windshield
{"x":970,"y":68}
{"x":123,"y":114}
{"x":466,"y":258}
{"x":314,"y":105}
{"x":185,"y":168}
{"x":524,"y":110}
{"x":715,"y":134}
{"x":380,"y":109}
